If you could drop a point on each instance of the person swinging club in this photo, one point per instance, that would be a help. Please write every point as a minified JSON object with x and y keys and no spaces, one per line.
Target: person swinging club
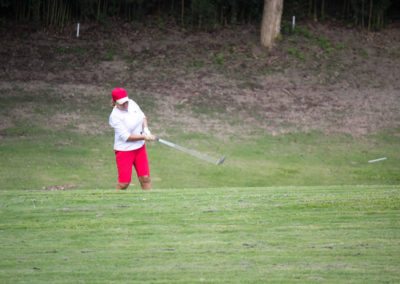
{"x":130,"y":133}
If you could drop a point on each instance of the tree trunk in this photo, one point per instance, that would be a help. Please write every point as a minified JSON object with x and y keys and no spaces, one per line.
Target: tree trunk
{"x":183,"y":13}
{"x":370,"y":16}
{"x":323,"y":10}
{"x":36,"y":13}
{"x":271,"y":22}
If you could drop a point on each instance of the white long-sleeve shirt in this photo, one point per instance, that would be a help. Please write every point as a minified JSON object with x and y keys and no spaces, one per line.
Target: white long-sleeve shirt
{"x":125,"y":123}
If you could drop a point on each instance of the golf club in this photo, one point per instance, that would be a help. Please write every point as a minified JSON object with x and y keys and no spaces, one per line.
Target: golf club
{"x":194,"y":153}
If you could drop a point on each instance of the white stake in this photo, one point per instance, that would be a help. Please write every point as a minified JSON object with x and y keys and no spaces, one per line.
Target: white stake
{"x":77,"y":30}
{"x":293,"y":22}
{"x":377,"y":160}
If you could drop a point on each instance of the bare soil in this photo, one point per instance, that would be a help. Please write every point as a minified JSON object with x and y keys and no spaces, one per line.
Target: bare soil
{"x":323,"y":77}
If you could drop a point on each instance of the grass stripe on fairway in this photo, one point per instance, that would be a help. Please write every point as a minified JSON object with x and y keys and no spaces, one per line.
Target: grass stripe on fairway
{"x":286,"y":234}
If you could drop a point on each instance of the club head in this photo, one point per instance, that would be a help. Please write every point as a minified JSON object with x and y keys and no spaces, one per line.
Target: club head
{"x":221,"y":161}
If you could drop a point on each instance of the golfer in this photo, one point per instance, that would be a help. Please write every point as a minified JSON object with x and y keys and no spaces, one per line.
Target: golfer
{"x":131,"y":132}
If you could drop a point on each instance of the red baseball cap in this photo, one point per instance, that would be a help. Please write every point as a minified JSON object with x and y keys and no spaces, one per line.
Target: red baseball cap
{"x":119,"y":95}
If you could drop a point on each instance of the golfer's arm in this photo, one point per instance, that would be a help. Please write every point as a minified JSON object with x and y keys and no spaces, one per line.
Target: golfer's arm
{"x":136,"y":137}
{"x":145,"y":123}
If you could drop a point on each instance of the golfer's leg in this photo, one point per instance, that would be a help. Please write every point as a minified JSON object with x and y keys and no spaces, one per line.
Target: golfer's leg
{"x":145,"y":182}
{"x":122,"y":186}
{"x":142,"y":168}
{"x":124,"y":165}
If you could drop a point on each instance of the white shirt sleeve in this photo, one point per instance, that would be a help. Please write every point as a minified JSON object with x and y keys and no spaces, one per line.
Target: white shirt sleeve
{"x":119,"y":128}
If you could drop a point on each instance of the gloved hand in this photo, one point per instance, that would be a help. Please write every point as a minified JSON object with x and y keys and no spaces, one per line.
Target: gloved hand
{"x":148,"y":136}
{"x":146,"y":131}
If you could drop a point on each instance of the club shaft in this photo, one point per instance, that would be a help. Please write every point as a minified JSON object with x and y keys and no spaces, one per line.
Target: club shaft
{"x":189,"y":151}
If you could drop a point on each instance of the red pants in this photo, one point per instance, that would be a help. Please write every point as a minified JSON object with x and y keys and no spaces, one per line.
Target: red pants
{"x":126,"y":159}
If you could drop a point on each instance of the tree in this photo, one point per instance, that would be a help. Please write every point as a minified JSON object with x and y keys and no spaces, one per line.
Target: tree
{"x":271,"y":22}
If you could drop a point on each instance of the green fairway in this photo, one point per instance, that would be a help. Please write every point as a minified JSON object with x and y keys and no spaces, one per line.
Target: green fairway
{"x":49,"y":159}
{"x":239,"y":235}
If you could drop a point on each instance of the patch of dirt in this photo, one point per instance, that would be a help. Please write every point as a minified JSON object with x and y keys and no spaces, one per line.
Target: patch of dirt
{"x":324,"y":77}
{"x":60,"y":187}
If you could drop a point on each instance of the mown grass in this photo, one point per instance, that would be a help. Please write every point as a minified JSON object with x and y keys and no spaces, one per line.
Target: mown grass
{"x":37,"y":158}
{"x":237,"y":235}
{"x":34,"y":158}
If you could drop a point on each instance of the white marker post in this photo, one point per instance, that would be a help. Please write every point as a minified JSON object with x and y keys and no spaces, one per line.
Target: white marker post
{"x":377,"y":160}
{"x":293,"y":23}
{"x":77,"y":30}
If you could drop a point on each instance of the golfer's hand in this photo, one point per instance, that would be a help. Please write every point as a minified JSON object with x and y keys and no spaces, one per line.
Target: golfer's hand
{"x":146,"y":131}
{"x":150,"y":137}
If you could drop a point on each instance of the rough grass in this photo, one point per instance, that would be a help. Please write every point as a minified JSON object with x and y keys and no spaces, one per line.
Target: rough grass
{"x":236,"y":235}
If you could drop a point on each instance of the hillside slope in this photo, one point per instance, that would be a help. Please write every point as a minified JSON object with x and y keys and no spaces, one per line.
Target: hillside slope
{"x":322,"y":77}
